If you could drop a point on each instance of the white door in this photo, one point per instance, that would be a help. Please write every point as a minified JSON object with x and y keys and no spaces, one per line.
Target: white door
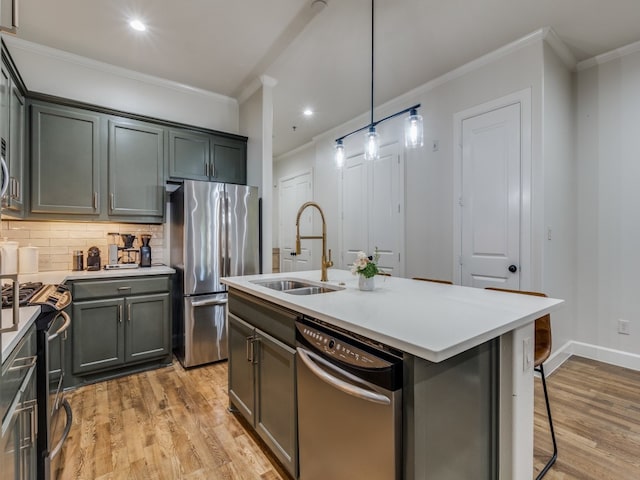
{"x":490,"y":199}
{"x":295,"y":191}
{"x":372,"y":208}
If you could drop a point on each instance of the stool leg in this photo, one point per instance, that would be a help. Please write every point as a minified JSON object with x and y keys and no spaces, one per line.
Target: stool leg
{"x":553,"y":435}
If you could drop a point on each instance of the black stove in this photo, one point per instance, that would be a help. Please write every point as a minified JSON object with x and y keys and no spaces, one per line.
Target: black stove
{"x":26,"y":291}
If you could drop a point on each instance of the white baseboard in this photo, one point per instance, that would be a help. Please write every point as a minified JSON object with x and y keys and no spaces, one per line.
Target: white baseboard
{"x":594,"y":352}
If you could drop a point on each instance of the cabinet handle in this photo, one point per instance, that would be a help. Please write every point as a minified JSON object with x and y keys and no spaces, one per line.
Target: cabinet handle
{"x":129,"y":313}
{"x":14,"y":14}
{"x":212,"y":168}
{"x":254,"y":340}
{"x":124,"y":288}
{"x":95,"y":200}
{"x":18,"y":196}
{"x":18,"y":365}
{"x":120,"y":313}
{"x":249,"y":348}
{"x":206,"y":169}
{"x":111,"y":201}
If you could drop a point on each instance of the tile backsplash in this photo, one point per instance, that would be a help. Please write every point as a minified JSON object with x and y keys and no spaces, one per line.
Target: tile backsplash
{"x":56,"y":241}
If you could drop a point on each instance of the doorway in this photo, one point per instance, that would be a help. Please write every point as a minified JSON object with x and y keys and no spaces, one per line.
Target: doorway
{"x":294,"y":191}
{"x":492,"y":170}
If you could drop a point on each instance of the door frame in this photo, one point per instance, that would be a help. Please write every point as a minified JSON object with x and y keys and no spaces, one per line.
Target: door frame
{"x":281,"y":180}
{"x":523,"y":97}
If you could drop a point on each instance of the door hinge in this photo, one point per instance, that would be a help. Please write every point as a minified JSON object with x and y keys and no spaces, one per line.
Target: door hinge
{"x":398,"y":208}
{"x":460,"y":202}
{"x":398,"y":256}
{"x":460,"y":259}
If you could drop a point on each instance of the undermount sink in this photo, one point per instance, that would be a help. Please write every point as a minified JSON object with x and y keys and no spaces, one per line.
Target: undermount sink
{"x":296,"y":286}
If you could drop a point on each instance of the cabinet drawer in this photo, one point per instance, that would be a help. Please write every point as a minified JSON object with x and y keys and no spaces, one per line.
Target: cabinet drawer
{"x":268,"y":317}
{"x":120,"y":287}
{"x":15,"y":368}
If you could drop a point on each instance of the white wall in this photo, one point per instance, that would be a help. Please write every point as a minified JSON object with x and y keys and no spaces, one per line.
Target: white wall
{"x":54,"y":72}
{"x":429,"y":175}
{"x":608,"y":142}
{"x":560,"y":193}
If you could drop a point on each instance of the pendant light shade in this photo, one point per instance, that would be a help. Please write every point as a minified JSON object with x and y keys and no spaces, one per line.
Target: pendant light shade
{"x":339,"y":154}
{"x":413,"y":130}
{"x":413,"y":123}
{"x":371,"y":145}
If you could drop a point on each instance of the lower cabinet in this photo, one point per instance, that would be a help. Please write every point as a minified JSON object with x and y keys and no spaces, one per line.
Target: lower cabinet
{"x":19,"y":420}
{"x":262,"y":387}
{"x":124,"y":328}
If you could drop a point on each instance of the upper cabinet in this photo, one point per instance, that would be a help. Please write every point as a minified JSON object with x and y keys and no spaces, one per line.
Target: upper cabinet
{"x":229,"y":160}
{"x":12,"y":137}
{"x":209,"y":157}
{"x":65,"y":161}
{"x":136,"y":169}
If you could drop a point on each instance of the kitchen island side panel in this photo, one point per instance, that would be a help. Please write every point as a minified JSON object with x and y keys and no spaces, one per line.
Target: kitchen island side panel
{"x":451,"y":415}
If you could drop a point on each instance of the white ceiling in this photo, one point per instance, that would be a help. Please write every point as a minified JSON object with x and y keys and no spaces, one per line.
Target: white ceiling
{"x":320,"y":57}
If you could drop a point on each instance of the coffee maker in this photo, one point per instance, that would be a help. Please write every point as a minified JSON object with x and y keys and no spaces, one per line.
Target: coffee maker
{"x":145,"y":250}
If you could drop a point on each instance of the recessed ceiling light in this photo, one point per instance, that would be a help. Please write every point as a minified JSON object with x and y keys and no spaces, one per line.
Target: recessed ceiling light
{"x":137,"y":25}
{"x":307,"y":112}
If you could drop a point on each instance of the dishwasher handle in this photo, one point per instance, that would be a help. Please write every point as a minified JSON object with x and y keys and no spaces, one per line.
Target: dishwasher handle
{"x":341,"y":385}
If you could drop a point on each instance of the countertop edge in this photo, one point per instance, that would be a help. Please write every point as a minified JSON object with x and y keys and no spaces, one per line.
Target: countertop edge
{"x":433,"y":355}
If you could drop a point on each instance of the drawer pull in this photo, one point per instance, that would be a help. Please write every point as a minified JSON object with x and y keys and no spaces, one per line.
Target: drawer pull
{"x":120,"y":289}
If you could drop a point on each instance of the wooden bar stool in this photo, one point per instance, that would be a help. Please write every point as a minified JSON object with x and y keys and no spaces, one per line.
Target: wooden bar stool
{"x":446,"y":282}
{"x":542,"y":351}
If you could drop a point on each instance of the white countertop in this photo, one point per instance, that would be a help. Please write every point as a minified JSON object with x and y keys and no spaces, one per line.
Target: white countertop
{"x":429,"y":320}
{"x":28,"y":314}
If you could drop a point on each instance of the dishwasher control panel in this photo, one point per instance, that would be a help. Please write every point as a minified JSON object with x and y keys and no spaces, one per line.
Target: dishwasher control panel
{"x":344,"y":349}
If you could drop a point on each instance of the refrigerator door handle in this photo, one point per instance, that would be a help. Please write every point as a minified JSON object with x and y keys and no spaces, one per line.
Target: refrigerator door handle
{"x":221,"y":234}
{"x":227,"y":267}
{"x":206,"y":303}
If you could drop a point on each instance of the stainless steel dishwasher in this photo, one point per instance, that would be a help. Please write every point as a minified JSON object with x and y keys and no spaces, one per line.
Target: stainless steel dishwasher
{"x":349,"y":405}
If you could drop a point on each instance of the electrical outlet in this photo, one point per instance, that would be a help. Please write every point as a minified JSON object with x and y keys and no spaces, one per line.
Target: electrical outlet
{"x":624,"y":327}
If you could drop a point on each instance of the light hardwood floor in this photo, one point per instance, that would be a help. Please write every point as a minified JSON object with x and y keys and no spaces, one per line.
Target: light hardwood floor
{"x":174,"y":424}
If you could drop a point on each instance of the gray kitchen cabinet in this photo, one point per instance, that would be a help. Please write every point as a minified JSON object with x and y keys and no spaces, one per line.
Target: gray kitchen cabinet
{"x":65,"y":161}
{"x":189,"y":155}
{"x":118,"y":323}
{"x":98,"y":335}
{"x":229,"y":160}
{"x":5,"y":101}
{"x":262,"y":373}
{"x":199,"y":156}
{"x":136,"y":168}
{"x":19,"y":411}
{"x":16,"y":153}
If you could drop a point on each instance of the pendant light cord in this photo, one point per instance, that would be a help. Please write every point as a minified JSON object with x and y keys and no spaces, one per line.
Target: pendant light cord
{"x":372,"y":9}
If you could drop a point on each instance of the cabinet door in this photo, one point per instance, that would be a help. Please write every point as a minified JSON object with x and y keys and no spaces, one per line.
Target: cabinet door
{"x":276,"y":399}
{"x":98,"y":335}
{"x":65,"y":161}
{"x":5,"y":100}
{"x":229,"y":162}
{"x":241,"y":368}
{"x":15,"y":160}
{"x":148,"y":327}
{"x":136,"y":169}
{"x":189,"y":154}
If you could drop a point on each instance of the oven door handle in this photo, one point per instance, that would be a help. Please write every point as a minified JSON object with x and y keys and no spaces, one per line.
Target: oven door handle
{"x":67,"y":428}
{"x":341,"y":385}
{"x":63,"y":328}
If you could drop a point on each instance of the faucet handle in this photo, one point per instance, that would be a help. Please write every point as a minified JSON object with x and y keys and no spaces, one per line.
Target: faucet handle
{"x":329,"y":262}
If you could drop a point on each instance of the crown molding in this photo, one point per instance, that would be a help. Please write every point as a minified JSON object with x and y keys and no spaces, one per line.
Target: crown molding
{"x":608,"y":56}
{"x":561,"y":49}
{"x":63,"y":56}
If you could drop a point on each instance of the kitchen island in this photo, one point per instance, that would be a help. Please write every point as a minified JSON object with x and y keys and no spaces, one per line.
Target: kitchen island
{"x":446,"y":333}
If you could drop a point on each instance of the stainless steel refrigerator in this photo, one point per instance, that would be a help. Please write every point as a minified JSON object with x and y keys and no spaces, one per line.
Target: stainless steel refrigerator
{"x":214,"y":234}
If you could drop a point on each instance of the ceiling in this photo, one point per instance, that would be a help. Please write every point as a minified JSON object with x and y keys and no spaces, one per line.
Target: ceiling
{"x":320,"y":57}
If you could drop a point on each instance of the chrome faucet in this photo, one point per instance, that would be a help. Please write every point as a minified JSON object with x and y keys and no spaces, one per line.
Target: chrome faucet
{"x":325,"y":263}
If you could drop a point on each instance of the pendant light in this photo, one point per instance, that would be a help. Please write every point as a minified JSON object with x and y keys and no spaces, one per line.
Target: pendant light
{"x":413,"y":131}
